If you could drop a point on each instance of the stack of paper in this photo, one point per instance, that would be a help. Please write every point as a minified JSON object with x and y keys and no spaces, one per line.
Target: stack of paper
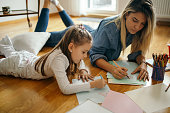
{"x":89,"y":107}
{"x":131,"y":66}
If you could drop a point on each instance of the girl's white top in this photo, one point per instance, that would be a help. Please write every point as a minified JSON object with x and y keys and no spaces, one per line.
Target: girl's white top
{"x":22,"y":63}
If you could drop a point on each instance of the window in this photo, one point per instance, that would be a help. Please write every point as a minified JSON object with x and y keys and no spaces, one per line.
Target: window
{"x":102,"y":6}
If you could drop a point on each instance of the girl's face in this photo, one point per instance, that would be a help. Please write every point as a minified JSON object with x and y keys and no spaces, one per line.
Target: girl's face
{"x":135,"y":22}
{"x":78,"y":53}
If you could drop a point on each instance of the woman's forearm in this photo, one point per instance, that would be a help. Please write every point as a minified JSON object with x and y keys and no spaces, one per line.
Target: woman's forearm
{"x":104,"y":65}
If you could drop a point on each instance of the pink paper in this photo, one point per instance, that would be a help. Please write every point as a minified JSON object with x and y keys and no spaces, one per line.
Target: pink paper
{"x":120,"y":103}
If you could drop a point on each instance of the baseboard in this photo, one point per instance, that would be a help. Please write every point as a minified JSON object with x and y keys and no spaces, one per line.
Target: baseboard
{"x":164,"y":23}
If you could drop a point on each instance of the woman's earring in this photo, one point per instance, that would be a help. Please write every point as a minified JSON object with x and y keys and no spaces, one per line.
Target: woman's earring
{"x":70,"y":51}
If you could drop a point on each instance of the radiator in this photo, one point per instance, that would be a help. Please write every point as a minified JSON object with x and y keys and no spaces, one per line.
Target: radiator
{"x":162,"y":9}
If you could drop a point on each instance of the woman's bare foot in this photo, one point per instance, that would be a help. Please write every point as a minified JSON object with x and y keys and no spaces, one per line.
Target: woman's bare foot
{"x":57,"y":4}
{"x":46,"y":4}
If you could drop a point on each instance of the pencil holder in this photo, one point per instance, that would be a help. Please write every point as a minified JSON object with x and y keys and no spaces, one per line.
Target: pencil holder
{"x":158,"y":73}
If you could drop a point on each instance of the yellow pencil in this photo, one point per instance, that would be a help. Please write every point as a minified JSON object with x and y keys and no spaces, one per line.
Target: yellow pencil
{"x":120,"y":67}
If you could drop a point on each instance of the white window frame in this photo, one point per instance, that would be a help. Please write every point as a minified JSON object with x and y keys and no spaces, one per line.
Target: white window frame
{"x":94,"y":11}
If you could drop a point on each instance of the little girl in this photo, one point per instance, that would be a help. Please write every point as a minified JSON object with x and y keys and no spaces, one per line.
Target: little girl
{"x":62,"y":61}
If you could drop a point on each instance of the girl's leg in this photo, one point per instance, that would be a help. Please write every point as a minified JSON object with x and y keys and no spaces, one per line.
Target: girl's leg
{"x":7,"y":65}
{"x":44,"y":18}
{"x":6,"y":47}
{"x":64,"y":16}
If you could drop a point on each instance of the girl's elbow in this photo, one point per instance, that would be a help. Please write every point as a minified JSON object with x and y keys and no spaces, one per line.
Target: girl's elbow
{"x":66,"y":92}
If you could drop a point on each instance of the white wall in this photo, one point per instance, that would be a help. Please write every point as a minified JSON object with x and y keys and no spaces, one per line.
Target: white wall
{"x":33,"y":5}
{"x":122,"y":4}
{"x":21,"y":4}
{"x":69,"y":6}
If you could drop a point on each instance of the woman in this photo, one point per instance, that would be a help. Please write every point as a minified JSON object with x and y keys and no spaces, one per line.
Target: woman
{"x":134,"y":26}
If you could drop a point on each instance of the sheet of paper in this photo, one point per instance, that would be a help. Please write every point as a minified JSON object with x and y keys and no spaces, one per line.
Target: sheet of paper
{"x":96,"y":95}
{"x":89,"y":107}
{"x":151,"y":98}
{"x":131,"y":66}
{"x":120,"y":103}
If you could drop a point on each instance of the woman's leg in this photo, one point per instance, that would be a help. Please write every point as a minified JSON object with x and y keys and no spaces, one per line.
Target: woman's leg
{"x":55,"y":38}
{"x":44,"y":18}
{"x":64,"y":16}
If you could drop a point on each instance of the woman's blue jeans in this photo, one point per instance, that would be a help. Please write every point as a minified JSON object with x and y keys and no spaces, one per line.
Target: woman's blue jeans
{"x":56,"y":36}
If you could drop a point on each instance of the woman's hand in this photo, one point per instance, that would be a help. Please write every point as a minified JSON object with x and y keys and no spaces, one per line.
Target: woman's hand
{"x":143,"y":72}
{"x":99,"y":83}
{"x":119,"y":72}
{"x":83,"y":73}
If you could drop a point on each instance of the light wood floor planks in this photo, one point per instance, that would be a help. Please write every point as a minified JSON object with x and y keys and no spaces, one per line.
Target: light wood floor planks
{"x":44,"y":96}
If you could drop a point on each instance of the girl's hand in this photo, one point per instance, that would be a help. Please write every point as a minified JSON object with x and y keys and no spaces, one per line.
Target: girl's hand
{"x":119,"y":73}
{"x":143,"y":72}
{"x":99,"y":83}
{"x":83,"y":73}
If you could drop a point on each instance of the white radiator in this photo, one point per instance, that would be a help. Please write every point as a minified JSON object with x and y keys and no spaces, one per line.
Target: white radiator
{"x":162,"y":9}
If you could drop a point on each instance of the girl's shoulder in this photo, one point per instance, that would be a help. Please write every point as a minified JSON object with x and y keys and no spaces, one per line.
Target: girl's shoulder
{"x":58,"y":55}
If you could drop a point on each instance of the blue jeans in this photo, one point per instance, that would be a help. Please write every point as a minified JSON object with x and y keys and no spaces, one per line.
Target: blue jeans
{"x":56,"y":36}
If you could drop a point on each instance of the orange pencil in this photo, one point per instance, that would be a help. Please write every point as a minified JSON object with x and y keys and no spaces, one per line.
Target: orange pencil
{"x":119,"y":67}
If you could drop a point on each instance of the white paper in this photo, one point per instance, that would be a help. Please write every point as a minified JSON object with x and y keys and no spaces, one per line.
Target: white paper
{"x":131,"y":66}
{"x":151,"y":98}
{"x":89,"y":107}
{"x":96,"y":95}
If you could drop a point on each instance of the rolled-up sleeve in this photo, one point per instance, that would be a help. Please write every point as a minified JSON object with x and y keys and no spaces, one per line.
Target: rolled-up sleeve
{"x":100,"y":46}
{"x":132,"y":57}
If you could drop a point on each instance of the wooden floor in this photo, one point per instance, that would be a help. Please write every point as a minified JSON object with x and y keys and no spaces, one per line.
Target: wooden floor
{"x":44,"y":96}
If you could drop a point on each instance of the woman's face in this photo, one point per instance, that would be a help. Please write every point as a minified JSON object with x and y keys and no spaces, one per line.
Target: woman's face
{"x":135,"y":22}
{"x":78,"y":53}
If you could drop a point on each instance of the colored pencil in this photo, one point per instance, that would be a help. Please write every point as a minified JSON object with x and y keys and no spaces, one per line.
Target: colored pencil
{"x":119,"y":67}
{"x":167,"y":88}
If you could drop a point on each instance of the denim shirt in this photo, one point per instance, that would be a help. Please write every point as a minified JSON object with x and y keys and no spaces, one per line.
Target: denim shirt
{"x":107,"y":42}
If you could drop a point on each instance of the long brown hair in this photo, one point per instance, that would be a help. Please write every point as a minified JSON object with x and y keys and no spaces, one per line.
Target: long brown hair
{"x":142,"y":38}
{"x":76,"y":34}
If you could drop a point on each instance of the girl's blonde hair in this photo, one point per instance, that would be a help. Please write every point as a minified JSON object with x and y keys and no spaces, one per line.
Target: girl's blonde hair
{"x":141,"y":40}
{"x":75,"y":34}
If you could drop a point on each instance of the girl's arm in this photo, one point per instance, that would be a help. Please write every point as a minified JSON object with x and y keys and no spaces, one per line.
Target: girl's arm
{"x":84,"y":72}
{"x":59,"y":66}
{"x":83,"y":66}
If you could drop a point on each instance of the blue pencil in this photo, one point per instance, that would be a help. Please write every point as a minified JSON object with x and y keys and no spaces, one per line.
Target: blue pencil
{"x":101,"y":76}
